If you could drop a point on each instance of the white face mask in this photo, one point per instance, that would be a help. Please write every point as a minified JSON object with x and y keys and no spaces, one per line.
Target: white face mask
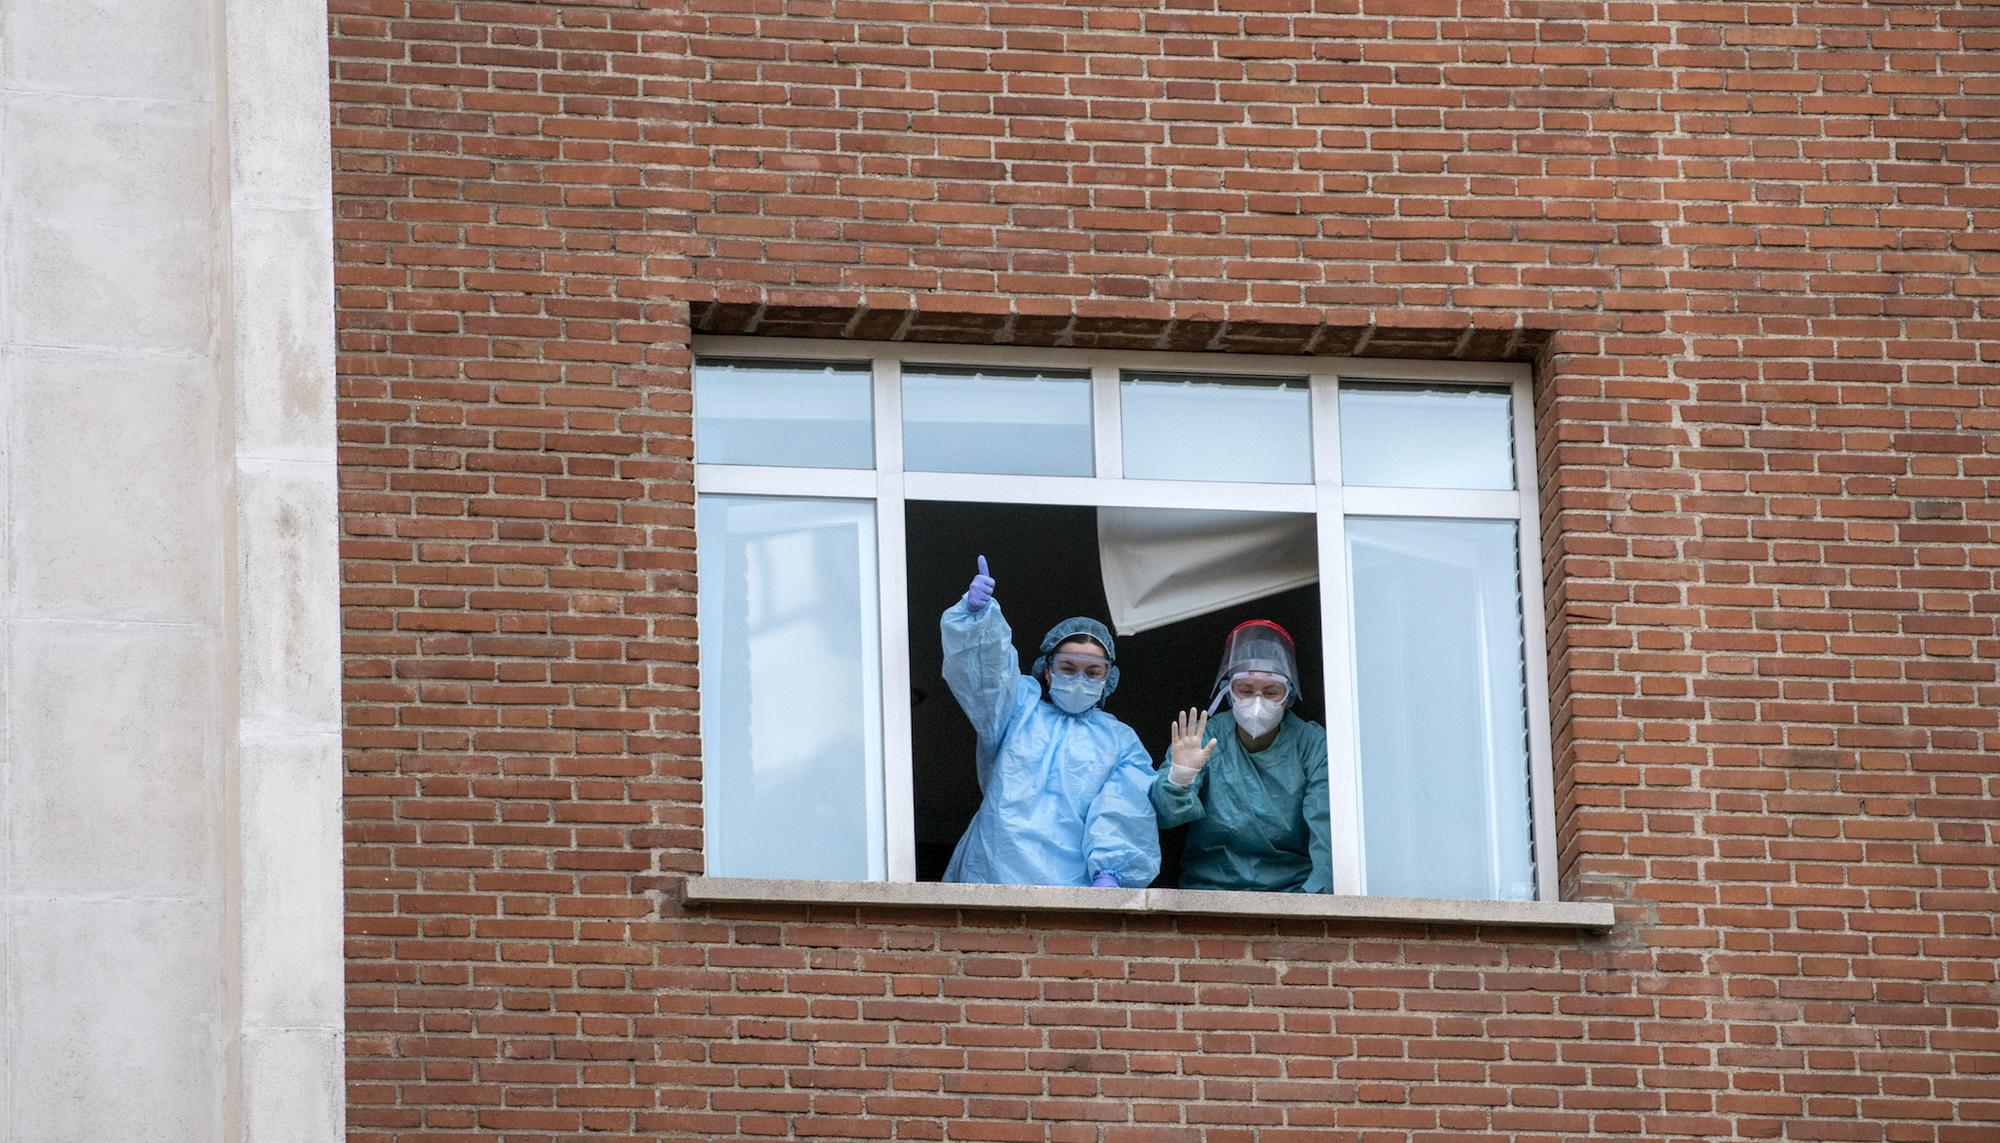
{"x":1074,"y":694}
{"x":1256,"y":715}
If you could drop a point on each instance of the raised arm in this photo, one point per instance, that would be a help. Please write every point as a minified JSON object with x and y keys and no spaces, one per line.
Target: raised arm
{"x":980,"y":663}
{"x":1176,"y":788}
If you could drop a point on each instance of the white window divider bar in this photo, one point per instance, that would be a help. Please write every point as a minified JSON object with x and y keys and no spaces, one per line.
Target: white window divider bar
{"x":892,"y":575}
{"x":1441,"y":503}
{"x":1107,"y":423}
{"x":746,"y":480}
{"x":985,"y":488}
{"x":1343,"y":770}
{"x":1089,"y":492}
{"x":1026,"y":357}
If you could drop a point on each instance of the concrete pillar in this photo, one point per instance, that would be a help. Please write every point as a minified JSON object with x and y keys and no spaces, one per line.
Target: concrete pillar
{"x":169,"y":771}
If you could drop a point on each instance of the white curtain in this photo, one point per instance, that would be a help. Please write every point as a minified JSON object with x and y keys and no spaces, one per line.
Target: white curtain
{"x":1163,"y":565}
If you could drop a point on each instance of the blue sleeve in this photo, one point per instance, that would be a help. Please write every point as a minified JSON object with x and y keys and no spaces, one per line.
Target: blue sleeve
{"x":984,"y":674}
{"x":1319,"y":812}
{"x":1176,"y":805}
{"x":1121,"y":836}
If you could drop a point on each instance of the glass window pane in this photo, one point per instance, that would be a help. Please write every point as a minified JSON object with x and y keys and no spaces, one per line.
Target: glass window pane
{"x":801,"y":414}
{"x":1013,"y":422}
{"x":790,"y":688}
{"x":1179,"y":427}
{"x":1443,"y":713}
{"x":1409,"y":436}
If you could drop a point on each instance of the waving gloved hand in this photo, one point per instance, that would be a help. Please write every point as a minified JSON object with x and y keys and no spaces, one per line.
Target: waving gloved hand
{"x":1186,"y":752}
{"x":980,"y":593}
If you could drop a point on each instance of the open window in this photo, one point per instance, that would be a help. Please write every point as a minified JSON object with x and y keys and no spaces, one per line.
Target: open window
{"x":1382,"y":511}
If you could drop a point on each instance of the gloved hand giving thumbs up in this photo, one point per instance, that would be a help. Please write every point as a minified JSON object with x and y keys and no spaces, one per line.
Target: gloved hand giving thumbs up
{"x":980,"y":593}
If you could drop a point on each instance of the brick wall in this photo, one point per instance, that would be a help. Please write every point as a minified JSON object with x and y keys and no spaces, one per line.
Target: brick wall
{"x":1752,"y":249}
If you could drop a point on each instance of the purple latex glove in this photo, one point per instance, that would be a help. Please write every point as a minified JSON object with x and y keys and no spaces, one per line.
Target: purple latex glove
{"x":981,"y":592}
{"x":1104,"y":881}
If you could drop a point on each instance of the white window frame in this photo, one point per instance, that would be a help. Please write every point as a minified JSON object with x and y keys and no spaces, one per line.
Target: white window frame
{"x":1330,"y":502}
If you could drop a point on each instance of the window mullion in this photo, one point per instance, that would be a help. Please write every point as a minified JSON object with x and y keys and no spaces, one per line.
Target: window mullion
{"x":1426,"y":371}
{"x":1432,"y":503}
{"x":1106,"y":428}
{"x":1343,"y":771}
{"x":892,"y":574}
{"x":1090,"y":492}
{"x":808,"y":483}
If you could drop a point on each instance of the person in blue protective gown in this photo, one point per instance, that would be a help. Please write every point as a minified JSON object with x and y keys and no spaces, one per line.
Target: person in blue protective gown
{"x":1063,"y":784}
{"x":1254,"y":797}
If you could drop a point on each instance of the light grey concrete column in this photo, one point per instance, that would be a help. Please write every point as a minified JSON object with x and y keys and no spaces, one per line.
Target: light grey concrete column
{"x":287,"y":1049}
{"x":169,"y":672}
{"x":119,"y":718}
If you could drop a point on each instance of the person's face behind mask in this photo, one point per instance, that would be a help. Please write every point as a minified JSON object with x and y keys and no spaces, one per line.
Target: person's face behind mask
{"x":1075,"y":694}
{"x":1077,"y":672}
{"x":1258,"y":702}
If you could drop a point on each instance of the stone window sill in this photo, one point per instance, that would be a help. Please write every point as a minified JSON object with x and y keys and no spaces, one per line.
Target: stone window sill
{"x":1597,"y":915}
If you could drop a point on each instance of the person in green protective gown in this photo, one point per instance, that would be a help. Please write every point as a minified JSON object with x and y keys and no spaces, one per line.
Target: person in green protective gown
{"x":1254,"y":795}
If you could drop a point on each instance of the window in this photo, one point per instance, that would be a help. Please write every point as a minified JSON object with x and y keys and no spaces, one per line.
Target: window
{"x":1383,"y":510}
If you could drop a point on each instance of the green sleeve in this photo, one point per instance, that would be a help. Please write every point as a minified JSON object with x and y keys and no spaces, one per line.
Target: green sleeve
{"x":1176,"y":805}
{"x":1319,"y":812}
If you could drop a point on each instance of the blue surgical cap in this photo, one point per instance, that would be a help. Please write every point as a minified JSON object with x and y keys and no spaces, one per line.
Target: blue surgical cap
{"x":1078,"y":626}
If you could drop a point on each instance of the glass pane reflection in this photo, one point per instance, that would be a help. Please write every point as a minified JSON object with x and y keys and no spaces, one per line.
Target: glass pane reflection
{"x":792,"y":413}
{"x":1410,"y":436}
{"x":790,"y":688}
{"x":1442,"y":708}
{"x":1183,"y":427}
{"x":1007,"y":421}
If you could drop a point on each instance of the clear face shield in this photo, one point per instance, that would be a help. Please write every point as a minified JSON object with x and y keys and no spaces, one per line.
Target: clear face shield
{"x":1258,"y":656}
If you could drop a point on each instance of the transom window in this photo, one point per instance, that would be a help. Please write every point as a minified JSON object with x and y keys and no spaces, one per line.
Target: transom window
{"x":1384,"y":511}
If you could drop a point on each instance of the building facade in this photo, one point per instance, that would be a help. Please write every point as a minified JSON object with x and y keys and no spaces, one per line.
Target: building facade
{"x":1741,"y":253}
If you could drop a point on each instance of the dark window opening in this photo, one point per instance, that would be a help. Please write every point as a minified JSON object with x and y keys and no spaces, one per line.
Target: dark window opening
{"x":1046,"y":562}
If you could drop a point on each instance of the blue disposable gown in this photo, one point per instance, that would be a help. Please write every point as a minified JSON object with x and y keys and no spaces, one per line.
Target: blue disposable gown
{"x":1259,"y":821}
{"x":1064,"y":795}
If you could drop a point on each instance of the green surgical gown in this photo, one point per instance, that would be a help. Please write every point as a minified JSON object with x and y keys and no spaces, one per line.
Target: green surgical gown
{"x":1259,"y":821}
